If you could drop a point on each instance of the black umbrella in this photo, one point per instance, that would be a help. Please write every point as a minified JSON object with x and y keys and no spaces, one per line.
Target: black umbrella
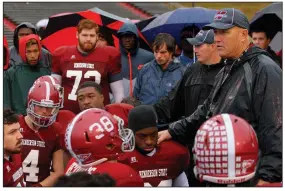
{"x":268,"y":19}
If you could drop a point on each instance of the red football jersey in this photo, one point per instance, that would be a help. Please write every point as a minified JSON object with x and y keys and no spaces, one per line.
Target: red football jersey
{"x":103,"y":65}
{"x":63,"y":118}
{"x":124,"y":175}
{"x":169,"y":161}
{"x":121,"y":110}
{"x":13,"y":172}
{"x":37,"y":151}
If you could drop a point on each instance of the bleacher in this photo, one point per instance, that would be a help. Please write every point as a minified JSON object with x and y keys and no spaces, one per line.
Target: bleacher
{"x":35,"y":11}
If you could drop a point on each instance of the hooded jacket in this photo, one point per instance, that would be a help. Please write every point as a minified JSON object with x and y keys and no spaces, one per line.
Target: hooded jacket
{"x":20,"y":78}
{"x":132,"y":60}
{"x":6,"y":49}
{"x":153,"y":82}
{"x":249,"y":87}
{"x":15,"y":58}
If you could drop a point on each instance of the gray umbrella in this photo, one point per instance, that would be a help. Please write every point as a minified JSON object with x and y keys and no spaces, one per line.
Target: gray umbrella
{"x":268,"y":19}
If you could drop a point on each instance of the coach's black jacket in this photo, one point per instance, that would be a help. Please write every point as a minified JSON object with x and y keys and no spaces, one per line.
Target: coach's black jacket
{"x":191,"y":91}
{"x":254,"y":94}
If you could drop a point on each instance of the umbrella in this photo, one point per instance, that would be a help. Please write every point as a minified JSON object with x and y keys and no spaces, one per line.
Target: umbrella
{"x":174,"y":21}
{"x":61,"y":29}
{"x":268,"y":19}
{"x":143,"y":23}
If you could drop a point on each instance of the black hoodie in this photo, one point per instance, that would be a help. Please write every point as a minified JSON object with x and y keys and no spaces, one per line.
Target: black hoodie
{"x":15,"y":58}
{"x":257,"y":99}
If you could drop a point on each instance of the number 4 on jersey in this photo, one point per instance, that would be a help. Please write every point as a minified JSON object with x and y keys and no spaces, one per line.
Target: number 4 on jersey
{"x":78,"y":76}
{"x":30,"y":166}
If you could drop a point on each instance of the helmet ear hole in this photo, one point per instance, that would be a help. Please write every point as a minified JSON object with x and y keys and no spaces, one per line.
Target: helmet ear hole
{"x":87,"y":137}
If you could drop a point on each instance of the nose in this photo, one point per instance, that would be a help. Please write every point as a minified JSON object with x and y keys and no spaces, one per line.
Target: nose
{"x":148,"y":141}
{"x":195,"y":49}
{"x":217,"y":37}
{"x":19,"y":136}
{"x":86,"y":101}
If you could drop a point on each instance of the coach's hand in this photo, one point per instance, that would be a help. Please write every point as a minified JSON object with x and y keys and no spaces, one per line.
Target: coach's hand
{"x":163,"y":136}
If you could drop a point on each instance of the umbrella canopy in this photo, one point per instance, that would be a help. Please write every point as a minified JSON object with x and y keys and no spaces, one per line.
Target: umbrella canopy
{"x":61,"y":29}
{"x":268,"y":19}
{"x":174,"y":21}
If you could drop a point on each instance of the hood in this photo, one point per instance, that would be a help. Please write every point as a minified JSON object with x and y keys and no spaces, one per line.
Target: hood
{"x":129,"y":28}
{"x":22,"y":45}
{"x":24,"y":24}
{"x":6,"y":49}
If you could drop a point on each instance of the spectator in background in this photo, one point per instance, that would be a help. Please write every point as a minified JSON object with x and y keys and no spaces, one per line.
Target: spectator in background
{"x":22,"y":30}
{"x":262,"y":39}
{"x":194,"y":87}
{"x":187,"y":54}
{"x":105,"y":37}
{"x":12,"y":168}
{"x":159,"y":76}
{"x":83,"y":179}
{"x":132,"y":56}
{"x":20,"y":78}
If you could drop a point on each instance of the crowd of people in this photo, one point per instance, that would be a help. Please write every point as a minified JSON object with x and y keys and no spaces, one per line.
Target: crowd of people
{"x":92,"y":115}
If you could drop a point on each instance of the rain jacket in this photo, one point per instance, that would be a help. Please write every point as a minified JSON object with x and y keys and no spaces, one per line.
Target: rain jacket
{"x":191,"y":91}
{"x":15,"y":58}
{"x":19,"y":79}
{"x":249,"y":87}
{"x":153,"y":82}
{"x":132,"y":60}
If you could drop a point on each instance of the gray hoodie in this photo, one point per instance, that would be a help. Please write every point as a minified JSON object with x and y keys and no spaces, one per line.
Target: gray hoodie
{"x":15,"y":58}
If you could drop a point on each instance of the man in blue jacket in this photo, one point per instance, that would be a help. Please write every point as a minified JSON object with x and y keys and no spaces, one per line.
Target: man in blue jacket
{"x":132,"y":56}
{"x":158,"y":77}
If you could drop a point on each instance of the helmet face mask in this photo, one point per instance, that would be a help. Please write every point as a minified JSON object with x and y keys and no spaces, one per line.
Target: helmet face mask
{"x":43,"y":95}
{"x":95,"y":136}
{"x":225,"y":150}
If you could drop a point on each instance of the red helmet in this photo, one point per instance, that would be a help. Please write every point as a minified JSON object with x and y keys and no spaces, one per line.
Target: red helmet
{"x":225,"y":150}
{"x":95,"y":136}
{"x":121,"y":110}
{"x":56,"y":84}
{"x":43,"y":94}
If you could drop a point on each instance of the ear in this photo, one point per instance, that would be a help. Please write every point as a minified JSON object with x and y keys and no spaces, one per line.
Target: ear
{"x":244,"y":35}
{"x":77,"y":34}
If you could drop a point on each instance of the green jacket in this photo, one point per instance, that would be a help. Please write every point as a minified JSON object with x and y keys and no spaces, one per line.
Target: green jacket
{"x":17,"y":82}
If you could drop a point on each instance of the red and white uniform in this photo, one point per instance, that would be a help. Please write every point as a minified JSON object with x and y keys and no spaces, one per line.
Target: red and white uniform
{"x":161,"y":167}
{"x":124,"y":175}
{"x":13,"y":172}
{"x":63,"y":117}
{"x":37,"y":151}
{"x":103,"y":65}
{"x":121,"y":110}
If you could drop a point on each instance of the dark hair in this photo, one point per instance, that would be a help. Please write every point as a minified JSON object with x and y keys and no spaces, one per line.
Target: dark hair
{"x":267,"y":34}
{"x":192,"y":29}
{"x":87,"y":24}
{"x":10,"y":117}
{"x":90,"y":84}
{"x":164,"y":38}
{"x":83,"y":179}
{"x":107,"y":35}
{"x":131,"y":101}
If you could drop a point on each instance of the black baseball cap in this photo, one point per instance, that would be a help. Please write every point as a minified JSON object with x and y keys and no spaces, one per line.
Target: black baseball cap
{"x":204,"y":36}
{"x":228,"y":18}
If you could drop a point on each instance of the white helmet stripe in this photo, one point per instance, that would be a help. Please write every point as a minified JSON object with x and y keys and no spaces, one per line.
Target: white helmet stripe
{"x":47,"y":90}
{"x":231,"y":145}
{"x":52,"y":80}
{"x":69,"y":132}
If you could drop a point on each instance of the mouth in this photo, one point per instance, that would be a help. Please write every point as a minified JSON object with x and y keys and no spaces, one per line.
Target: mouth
{"x":148,"y":148}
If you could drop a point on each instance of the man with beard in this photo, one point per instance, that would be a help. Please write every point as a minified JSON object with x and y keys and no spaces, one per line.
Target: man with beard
{"x":159,"y":76}
{"x":161,"y":165}
{"x":12,"y":169}
{"x":73,"y":65}
{"x":20,"y":78}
